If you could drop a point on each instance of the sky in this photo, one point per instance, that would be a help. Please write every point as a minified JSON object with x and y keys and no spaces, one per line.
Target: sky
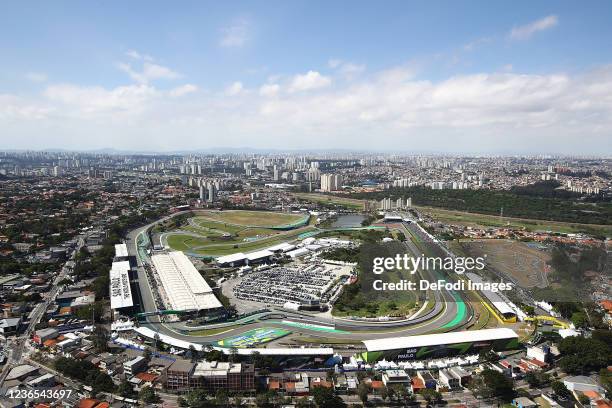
{"x":412,"y":76}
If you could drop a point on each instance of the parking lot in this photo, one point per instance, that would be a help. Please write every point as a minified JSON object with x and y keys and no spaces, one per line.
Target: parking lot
{"x":297,"y":284}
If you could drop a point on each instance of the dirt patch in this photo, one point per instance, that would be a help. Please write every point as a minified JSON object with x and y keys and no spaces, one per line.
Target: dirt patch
{"x":524,"y":263}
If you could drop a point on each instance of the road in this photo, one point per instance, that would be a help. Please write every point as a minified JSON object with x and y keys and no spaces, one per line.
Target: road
{"x":17,"y":344}
{"x":449,"y":311}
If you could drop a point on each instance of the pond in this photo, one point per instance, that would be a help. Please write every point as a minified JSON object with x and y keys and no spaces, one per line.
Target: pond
{"x":348,"y":221}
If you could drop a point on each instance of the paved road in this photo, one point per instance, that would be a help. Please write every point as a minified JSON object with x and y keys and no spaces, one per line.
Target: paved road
{"x":444,"y":313}
{"x":17,"y":344}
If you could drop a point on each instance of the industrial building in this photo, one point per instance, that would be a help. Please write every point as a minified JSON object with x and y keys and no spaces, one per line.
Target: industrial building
{"x":439,"y":345}
{"x":183,"y":286}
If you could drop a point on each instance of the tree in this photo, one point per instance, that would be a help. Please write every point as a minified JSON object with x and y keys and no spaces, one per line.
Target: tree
{"x":325,"y":398}
{"x":493,"y":384}
{"x":256,"y":359}
{"x":197,"y":399}
{"x":237,"y":401}
{"x":100,"y":338}
{"x":304,"y":402}
{"x":182,"y":402}
{"x":537,"y":379}
{"x":605,"y":377}
{"x":233,"y":355}
{"x":101,"y":382}
{"x":431,"y":395}
{"x":148,"y":396}
{"x":579,"y":319}
{"x":125,"y":389}
{"x":560,"y":389}
{"x":581,"y":355}
{"x":146,"y":353}
{"x":262,"y":401}
{"x":384,"y":393}
{"x":193,"y":353}
{"x":221,"y":397}
{"x":362,"y":391}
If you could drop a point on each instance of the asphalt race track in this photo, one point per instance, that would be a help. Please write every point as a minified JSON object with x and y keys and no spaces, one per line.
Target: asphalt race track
{"x":449,"y":311}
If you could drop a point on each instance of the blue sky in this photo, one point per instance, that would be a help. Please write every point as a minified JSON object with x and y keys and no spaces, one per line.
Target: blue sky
{"x":475,"y":76}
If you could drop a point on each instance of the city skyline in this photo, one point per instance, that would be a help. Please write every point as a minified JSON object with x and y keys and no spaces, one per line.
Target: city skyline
{"x":409,"y":78}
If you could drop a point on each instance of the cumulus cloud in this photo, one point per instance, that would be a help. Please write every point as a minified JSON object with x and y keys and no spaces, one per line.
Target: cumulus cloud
{"x":526,"y":31}
{"x":235,"y":35}
{"x":269,"y":90}
{"x":96,"y":99}
{"x":149,"y":72}
{"x":554,"y":112}
{"x":348,"y":70}
{"x":309,"y":81}
{"x":138,"y":56}
{"x":234,"y":89}
{"x":183,"y":90}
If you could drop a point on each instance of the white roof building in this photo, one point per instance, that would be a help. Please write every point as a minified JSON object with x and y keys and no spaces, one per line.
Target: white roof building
{"x":230,"y":259}
{"x":185,"y":287}
{"x":120,"y":291}
{"x":496,"y":300}
{"x":257,"y":255}
{"x":121,"y":250}
{"x":296,"y":253}
{"x":394,"y":343}
{"x":282,"y":247}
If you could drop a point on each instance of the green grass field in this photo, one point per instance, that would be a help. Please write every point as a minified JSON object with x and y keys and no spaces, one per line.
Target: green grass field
{"x":473,"y":219}
{"x":216,"y":233}
{"x":350,"y":203}
{"x":251,"y":218}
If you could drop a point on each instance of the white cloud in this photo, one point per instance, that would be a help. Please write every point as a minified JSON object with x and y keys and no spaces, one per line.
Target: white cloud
{"x":15,"y":108}
{"x":348,"y":70}
{"x":554,"y":112}
{"x":334,"y":62}
{"x":269,"y":90}
{"x":98,"y":100}
{"x":138,"y":56}
{"x":471,"y":46}
{"x":526,"y":31}
{"x":234,"y":89}
{"x":236,"y":34}
{"x":149,"y":72}
{"x":309,"y":81}
{"x":183,"y":90}
{"x":36,"y":76}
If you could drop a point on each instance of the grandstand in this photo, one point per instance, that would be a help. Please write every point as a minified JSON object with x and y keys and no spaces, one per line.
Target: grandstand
{"x":496,"y":300}
{"x":184,"y":287}
{"x":439,"y":345}
{"x":120,"y":291}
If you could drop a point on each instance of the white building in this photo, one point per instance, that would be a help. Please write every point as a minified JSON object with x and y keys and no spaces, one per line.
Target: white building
{"x":120,"y":291}
{"x":449,"y":380}
{"x":331,"y":182}
{"x":183,"y":285}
